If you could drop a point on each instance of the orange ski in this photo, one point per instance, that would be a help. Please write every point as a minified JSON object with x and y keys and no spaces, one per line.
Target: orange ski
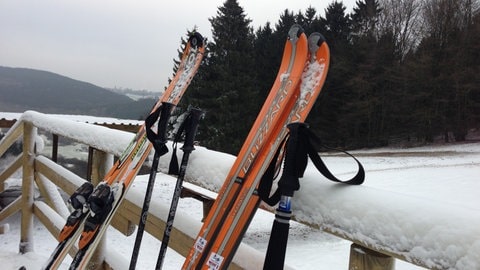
{"x":120,"y":176}
{"x":119,"y":179}
{"x":281,"y":99}
{"x":231,"y":230}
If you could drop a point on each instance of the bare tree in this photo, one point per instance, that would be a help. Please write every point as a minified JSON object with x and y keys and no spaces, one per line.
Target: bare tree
{"x":401,"y":19}
{"x":443,"y":18}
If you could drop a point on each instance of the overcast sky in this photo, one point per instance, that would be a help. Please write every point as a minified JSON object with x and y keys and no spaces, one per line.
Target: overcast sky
{"x":112,"y":43}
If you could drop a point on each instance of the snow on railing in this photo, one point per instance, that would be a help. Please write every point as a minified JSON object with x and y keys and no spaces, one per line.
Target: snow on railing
{"x":52,"y":213}
{"x":436,"y":229}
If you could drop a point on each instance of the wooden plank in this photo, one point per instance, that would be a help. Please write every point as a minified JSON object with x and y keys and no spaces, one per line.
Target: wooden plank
{"x":50,"y":193}
{"x":26,"y":227}
{"x":362,"y":258}
{"x":4,"y":123}
{"x":101,"y":164}
{"x":207,"y":201}
{"x":399,"y":256}
{"x":11,"y":137}
{"x":51,"y":220}
{"x":61,"y":177}
{"x":4,"y":228}
{"x":155,"y":226}
{"x":11,"y":169}
{"x":122,"y":224}
{"x":179,"y":241}
{"x":11,"y":209}
{"x":40,"y":180}
{"x":55,"y":148}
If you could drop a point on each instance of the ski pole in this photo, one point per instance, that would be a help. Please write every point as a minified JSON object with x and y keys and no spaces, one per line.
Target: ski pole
{"x":299,"y":147}
{"x":158,"y":140}
{"x":288,"y":184}
{"x":190,"y":131}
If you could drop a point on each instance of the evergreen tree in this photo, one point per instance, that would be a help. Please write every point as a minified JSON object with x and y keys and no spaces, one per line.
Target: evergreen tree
{"x":337,"y":25}
{"x":287,"y":19}
{"x":369,"y":110}
{"x":387,"y":80}
{"x":268,"y":54}
{"x":365,"y":17}
{"x":328,"y":115}
{"x":226,"y":85}
{"x":310,"y":21}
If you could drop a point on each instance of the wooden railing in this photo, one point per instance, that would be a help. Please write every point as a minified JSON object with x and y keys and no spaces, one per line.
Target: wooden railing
{"x":49,"y":177}
{"x":52,"y":211}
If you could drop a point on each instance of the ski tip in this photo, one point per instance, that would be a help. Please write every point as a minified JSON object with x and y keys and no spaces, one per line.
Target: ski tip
{"x":295,"y":32}
{"x":315,"y":41}
{"x":196,"y":40}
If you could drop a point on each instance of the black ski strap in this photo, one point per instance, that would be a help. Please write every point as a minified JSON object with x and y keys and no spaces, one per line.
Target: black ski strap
{"x":320,"y":165}
{"x":159,"y":139}
{"x":301,"y":144}
{"x":266,"y":182}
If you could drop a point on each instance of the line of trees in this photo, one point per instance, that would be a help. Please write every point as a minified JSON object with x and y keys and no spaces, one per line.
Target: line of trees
{"x":401,"y":70}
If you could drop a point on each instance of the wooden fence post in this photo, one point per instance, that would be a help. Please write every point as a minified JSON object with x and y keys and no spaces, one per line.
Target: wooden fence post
{"x":26,"y":230}
{"x":362,"y":258}
{"x":101,"y":164}
{"x":55,"y":147}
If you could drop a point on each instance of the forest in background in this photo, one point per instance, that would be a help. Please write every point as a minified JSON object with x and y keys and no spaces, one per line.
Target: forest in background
{"x":401,"y":71}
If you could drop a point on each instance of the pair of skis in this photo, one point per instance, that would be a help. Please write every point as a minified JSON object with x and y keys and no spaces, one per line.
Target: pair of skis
{"x":95,"y":207}
{"x":299,"y":81}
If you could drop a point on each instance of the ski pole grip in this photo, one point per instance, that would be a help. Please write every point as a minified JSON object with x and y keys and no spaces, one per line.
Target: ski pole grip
{"x":295,"y":160}
{"x":191,"y":129}
{"x":159,"y":139}
{"x":163,"y":121}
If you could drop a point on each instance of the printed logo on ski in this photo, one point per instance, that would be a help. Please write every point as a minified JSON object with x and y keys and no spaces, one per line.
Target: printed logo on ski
{"x":184,"y":77}
{"x":200,"y":244}
{"x":266,"y":124}
{"x":214,"y":261}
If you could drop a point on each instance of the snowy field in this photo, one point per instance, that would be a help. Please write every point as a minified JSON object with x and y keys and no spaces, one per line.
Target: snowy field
{"x":441,"y":175}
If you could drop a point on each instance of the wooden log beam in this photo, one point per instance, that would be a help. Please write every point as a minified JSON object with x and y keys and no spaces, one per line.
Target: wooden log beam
{"x":26,"y":230}
{"x":12,"y":135}
{"x":51,"y":220}
{"x":61,"y":177}
{"x":179,"y":241}
{"x":362,"y":258}
{"x":11,"y":209}
{"x":52,"y":196}
{"x":101,"y":164}
{"x":11,"y":169}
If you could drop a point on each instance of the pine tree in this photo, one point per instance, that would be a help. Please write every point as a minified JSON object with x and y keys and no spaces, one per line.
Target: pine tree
{"x":365,"y":17}
{"x":368,"y":110}
{"x":226,"y":85}
{"x":268,"y":54}
{"x":328,"y":116}
{"x":337,"y":25}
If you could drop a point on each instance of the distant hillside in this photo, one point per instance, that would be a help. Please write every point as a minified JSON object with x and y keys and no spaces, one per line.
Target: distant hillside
{"x":137,"y":110}
{"x":24,"y":89}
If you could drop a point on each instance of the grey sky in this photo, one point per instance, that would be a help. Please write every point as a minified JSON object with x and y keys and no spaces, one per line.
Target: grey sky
{"x":111,"y":43}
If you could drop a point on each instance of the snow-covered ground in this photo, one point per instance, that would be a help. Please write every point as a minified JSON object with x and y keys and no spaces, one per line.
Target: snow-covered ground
{"x":423,"y":202}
